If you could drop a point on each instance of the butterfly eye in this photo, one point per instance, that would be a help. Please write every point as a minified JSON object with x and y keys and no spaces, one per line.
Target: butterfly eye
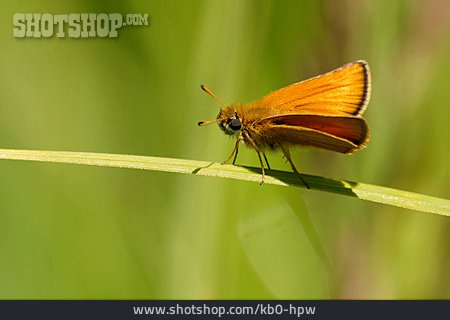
{"x":235,"y":124}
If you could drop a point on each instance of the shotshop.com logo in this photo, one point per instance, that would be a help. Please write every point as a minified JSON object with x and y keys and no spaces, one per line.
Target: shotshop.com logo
{"x":75,"y":25}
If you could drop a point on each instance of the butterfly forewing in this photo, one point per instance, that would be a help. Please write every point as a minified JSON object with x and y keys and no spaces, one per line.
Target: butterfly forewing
{"x":344,"y":91}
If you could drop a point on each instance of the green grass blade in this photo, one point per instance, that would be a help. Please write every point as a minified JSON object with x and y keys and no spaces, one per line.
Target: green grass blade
{"x":394,"y":197}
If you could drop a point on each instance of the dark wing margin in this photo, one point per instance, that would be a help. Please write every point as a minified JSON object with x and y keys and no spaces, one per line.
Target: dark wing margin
{"x":366,"y":90}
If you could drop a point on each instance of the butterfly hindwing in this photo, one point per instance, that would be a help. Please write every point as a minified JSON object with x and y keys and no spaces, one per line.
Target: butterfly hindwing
{"x":344,"y":134}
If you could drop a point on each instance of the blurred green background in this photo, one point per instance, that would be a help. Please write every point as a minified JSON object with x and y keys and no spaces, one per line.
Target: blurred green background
{"x":77,"y":232}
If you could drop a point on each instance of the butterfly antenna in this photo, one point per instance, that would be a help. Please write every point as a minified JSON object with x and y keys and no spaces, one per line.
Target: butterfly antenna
{"x":205,"y":123}
{"x":206,"y":89}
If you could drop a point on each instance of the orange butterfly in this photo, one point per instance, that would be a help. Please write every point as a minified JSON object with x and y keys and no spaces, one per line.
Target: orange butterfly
{"x":323,"y":112}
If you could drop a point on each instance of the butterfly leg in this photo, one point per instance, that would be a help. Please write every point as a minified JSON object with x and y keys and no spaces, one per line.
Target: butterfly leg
{"x":234,"y":152}
{"x":262,"y":167}
{"x":267,"y":162}
{"x":237,"y":150}
{"x":259,"y":155}
{"x":287,"y":155}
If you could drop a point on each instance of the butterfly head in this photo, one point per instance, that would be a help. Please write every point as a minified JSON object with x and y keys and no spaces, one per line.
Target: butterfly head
{"x":229,"y":121}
